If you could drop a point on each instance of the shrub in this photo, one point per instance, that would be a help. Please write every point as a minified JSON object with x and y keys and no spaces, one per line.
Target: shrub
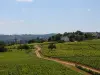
{"x":3,"y":49}
{"x":52,"y":46}
{"x":26,"y":47}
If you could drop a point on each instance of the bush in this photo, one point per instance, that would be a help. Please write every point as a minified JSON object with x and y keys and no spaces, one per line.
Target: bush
{"x":3,"y":49}
{"x":60,"y":41}
{"x":31,"y":41}
{"x":26,"y":47}
{"x":52,"y":46}
{"x":2,"y":43}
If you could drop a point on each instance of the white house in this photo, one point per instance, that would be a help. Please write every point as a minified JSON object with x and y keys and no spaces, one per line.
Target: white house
{"x":65,"y":38}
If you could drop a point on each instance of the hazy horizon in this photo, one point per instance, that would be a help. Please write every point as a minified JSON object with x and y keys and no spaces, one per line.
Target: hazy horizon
{"x":49,"y":16}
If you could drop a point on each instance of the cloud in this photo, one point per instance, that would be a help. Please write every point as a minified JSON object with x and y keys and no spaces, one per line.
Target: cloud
{"x":24,"y":0}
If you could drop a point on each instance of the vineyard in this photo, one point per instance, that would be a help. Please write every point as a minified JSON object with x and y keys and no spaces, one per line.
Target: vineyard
{"x":87,"y":52}
{"x":19,"y":62}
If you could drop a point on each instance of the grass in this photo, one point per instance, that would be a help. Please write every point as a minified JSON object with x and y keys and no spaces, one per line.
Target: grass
{"x":87,"y":52}
{"x":22,"y":63}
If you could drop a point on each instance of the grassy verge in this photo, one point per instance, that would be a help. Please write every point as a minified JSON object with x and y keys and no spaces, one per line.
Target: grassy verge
{"x":87,"y":70}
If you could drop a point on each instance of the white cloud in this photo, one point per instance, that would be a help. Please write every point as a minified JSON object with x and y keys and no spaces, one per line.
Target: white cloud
{"x":24,"y":0}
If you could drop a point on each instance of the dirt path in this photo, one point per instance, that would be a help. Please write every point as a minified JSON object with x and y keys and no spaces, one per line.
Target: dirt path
{"x":68,"y":64}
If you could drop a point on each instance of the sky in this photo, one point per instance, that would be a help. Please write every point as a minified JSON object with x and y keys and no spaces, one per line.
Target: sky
{"x":49,"y":16}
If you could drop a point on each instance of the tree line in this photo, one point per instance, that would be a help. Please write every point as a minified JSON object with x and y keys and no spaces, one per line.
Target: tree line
{"x":75,"y":36}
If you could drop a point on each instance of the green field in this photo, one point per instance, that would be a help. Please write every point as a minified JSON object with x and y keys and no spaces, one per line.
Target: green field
{"x":19,"y":62}
{"x":87,"y":52}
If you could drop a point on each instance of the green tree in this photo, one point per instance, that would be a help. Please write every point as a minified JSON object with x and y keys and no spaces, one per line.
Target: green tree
{"x":26,"y":47}
{"x":31,"y":41}
{"x":56,"y":37}
{"x":88,"y":36}
{"x":65,"y":34}
{"x":52,"y":46}
{"x":79,"y":33}
{"x":2,"y":47}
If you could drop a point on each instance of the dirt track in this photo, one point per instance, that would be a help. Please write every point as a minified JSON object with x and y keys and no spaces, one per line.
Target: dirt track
{"x":66,"y":63}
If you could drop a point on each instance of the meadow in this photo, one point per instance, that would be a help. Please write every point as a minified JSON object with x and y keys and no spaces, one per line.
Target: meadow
{"x":87,"y":52}
{"x":21,"y":62}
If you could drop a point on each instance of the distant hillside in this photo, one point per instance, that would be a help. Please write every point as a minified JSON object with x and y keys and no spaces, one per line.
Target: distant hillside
{"x":25,"y":37}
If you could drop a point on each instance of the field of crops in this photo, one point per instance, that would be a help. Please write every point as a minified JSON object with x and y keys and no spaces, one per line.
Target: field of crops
{"x":19,"y":62}
{"x":87,"y":52}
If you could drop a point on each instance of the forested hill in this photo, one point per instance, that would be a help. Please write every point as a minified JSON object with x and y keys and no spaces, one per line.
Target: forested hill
{"x":23,"y":37}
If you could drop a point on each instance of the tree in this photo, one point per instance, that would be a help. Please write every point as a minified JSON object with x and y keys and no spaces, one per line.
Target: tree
{"x":65,"y":34}
{"x":52,"y":46}
{"x":26,"y":47}
{"x":75,"y":36}
{"x":79,"y":33}
{"x":50,"y":39}
{"x":31,"y":41}
{"x":2,"y":47}
{"x":88,"y":36}
{"x":39,"y":40}
{"x":2,"y":43}
{"x":79,"y":38}
{"x":71,"y":37}
{"x":56,"y":37}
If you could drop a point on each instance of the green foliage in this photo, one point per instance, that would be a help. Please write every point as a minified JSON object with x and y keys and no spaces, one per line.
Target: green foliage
{"x":52,"y":46}
{"x":87,"y":52}
{"x":26,"y":47}
{"x":31,"y":41}
{"x":20,"y":46}
{"x":21,"y":63}
{"x":73,"y":36}
{"x":89,"y":36}
{"x":2,"y":47}
{"x":87,"y":70}
{"x":56,"y":37}
{"x":38,"y":40}
{"x":2,"y":43}
{"x":79,"y":33}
